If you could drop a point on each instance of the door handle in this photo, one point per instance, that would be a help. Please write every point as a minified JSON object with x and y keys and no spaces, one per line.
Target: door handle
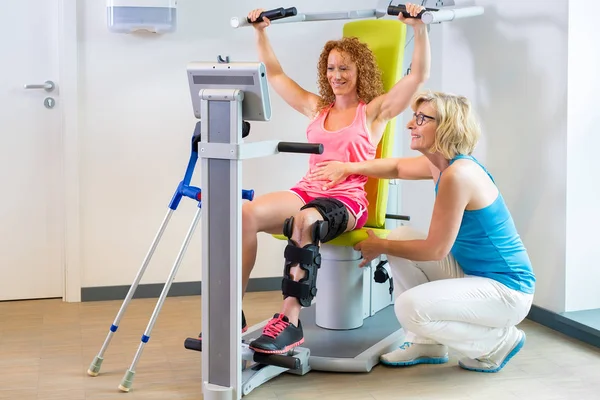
{"x":48,"y":86}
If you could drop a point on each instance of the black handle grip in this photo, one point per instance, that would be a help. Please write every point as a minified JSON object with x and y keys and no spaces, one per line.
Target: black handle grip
{"x":294,"y":147}
{"x":276,"y":13}
{"x":290,"y":12}
{"x":193,"y":344}
{"x":277,"y":360}
{"x":401,"y":8}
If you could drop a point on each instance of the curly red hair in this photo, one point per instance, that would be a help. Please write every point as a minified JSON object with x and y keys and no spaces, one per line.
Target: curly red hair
{"x":368,"y":84}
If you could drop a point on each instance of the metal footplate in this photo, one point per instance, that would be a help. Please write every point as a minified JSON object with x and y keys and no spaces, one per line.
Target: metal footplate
{"x":259,"y":368}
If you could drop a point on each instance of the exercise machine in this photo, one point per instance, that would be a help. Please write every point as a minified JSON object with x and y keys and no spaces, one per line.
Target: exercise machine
{"x":348,"y":326}
{"x":444,"y":11}
{"x":223,"y":95}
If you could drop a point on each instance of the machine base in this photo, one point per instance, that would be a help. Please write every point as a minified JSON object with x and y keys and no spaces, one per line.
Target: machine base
{"x":355,"y":350}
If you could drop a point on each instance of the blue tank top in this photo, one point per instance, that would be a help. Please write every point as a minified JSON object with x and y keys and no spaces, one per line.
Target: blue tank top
{"x":488,"y":244}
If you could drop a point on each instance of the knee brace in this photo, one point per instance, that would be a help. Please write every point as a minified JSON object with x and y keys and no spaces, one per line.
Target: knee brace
{"x":307,"y":258}
{"x":335,"y":215}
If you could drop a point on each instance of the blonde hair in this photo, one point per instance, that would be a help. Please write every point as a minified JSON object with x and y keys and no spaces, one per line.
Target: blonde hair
{"x":368,"y":81}
{"x":458,"y":130}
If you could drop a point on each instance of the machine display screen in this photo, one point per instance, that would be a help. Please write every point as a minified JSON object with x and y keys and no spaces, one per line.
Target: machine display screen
{"x":223,"y":80}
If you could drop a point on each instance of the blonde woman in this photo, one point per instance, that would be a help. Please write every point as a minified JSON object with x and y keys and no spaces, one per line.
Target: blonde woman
{"x":469,"y":281}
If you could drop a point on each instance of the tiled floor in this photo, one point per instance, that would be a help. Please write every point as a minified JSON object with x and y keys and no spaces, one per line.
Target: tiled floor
{"x":46,"y":347}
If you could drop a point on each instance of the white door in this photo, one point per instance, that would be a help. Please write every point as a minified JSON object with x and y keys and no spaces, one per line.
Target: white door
{"x":30,"y":153}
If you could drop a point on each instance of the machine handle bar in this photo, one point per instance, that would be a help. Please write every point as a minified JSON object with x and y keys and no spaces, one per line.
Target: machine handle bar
{"x":427,"y":16}
{"x":294,"y":147}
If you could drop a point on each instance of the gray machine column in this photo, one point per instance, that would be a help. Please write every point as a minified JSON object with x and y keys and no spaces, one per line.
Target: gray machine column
{"x":221,"y":239}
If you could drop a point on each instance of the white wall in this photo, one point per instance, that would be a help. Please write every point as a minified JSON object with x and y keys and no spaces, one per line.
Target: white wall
{"x":583,"y":141}
{"x":414,"y":198}
{"x":136,"y":123}
{"x":516,"y":74}
{"x":512,"y":63}
{"x":417,"y":197}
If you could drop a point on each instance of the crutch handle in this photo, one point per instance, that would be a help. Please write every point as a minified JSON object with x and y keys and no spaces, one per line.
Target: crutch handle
{"x":248,"y":194}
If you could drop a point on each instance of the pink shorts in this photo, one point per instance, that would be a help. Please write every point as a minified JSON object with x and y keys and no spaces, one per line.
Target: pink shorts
{"x":357,"y":210}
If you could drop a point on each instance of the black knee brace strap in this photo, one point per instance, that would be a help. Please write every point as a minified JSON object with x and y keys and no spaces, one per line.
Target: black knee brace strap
{"x":309,"y":259}
{"x":334,"y":213}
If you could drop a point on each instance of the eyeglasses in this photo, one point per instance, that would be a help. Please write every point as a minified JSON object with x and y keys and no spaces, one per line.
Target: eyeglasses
{"x":420,"y":118}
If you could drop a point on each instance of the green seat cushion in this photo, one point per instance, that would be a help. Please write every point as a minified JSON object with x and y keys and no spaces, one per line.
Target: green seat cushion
{"x":350,"y":238}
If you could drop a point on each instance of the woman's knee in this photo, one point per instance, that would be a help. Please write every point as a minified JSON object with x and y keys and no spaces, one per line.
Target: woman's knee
{"x":409,"y":309}
{"x":339,"y":220}
{"x":304,"y":222}
{"x":247,"y":214}
{"x":268,"y":213}
{"x":252,"y":218}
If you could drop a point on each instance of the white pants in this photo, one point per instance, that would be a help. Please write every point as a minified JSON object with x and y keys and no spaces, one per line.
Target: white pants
{"x":437,"y":303}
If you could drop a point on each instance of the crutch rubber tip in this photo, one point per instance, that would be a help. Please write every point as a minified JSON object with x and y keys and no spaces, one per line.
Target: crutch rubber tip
{"x":127,"y":381}
{"x":95,"y":366}
{"x":123,"y":388}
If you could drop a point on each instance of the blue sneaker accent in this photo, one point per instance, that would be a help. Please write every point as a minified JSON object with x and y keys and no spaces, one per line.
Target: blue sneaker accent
{"x":416,"y":361}
{"x":510,"y":355}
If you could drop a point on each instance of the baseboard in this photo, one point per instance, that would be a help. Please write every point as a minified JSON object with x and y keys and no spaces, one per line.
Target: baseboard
{"x":152,"y":290}
{"x":565,"y":325}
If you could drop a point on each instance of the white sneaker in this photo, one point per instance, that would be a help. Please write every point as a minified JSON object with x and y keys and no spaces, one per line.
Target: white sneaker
{"x":498,"y":360}
{"x":416,"y":353}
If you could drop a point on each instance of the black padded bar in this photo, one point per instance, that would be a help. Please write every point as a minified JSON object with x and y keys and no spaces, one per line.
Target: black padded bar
{"x":397,"y":217}
{"x":277,"y":360}
{"x":265,"y":359}
{"x":193,"y":344}
{"x":294,"y":147}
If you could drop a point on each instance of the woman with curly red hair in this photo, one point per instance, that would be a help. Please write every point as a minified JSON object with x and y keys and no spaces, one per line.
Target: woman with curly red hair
{"x":348,"y":117}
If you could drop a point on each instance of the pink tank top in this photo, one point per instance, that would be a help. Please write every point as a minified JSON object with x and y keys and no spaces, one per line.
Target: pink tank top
{"x":349,"y":144}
